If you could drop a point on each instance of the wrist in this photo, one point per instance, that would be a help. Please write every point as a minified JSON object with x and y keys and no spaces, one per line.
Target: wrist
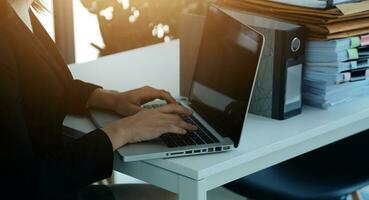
{"x":104,"y":99}
{"x":116,"y":135}
{"x":111,"y":99}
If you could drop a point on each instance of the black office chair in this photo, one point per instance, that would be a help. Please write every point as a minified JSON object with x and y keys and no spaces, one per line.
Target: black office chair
{"x":329,"y":173}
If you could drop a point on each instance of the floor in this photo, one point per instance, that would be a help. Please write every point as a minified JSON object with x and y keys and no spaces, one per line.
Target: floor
{"x":216,"y":194}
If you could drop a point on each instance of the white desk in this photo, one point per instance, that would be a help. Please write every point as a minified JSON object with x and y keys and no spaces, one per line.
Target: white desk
{"x":269,"y":141}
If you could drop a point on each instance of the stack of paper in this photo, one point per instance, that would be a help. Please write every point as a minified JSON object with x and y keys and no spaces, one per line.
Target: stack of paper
{"x":344,"y":20}
{"x":337,"y":94}
{"x":336,"y":71}
{"x":315,"y":3}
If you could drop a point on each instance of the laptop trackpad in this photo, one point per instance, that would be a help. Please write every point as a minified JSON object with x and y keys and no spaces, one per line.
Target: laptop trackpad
{"x":143,"y":148}
{"x":101,"y":118}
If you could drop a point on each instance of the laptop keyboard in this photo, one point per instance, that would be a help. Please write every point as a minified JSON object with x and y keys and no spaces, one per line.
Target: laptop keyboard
{"x":199,"y":137}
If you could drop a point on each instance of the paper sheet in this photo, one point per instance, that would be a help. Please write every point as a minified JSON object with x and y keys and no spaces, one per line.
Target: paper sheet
{"x":352,"y":8}
{"x":321,"y":23}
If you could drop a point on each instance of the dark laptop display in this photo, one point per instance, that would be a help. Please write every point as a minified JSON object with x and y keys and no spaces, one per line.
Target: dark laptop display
{"x":225,"y":72}
{"x":220,"y":94}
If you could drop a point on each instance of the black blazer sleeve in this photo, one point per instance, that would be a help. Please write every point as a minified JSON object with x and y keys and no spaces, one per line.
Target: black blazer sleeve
{"x":53,"y":174}
{"x":78,"y":94}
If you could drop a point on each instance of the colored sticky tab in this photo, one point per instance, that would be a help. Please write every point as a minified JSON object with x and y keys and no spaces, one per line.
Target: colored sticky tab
{"x":353,"y":64}
{"x":364,"y":40}
{"x":355,"y":42}
{"x":353,"y":54}
{"x":346,"y":76}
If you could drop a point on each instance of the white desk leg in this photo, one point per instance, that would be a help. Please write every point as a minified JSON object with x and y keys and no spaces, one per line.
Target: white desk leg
{"x":190,"y":189}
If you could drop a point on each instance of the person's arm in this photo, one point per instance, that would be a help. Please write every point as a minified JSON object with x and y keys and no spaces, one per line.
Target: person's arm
{"x":81,"y":96}
{"x":127,"y":103}
{"x":78,"y":94}
{"x":52,"y":174}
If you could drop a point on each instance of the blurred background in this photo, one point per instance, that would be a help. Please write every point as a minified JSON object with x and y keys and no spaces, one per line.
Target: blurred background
{"x":87,"y":29}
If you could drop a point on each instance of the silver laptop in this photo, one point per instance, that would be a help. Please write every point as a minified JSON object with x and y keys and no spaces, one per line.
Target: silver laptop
{"x":220,"y":95}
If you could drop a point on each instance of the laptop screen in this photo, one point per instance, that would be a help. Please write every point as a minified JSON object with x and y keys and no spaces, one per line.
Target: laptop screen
{"x":225,"y":72}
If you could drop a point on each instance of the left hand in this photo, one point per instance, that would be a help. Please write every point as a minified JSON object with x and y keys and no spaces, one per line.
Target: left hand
{"x":130,"y":102}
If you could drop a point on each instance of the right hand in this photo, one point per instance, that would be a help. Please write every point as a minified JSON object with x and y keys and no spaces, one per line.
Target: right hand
{"x":148,"y":124}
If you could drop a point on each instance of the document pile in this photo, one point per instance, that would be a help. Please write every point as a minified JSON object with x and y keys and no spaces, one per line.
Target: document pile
{"x":344,"y":20}
{"x":336,"y":71}
{"x":336,"y":66}
{"x":315,"y":3}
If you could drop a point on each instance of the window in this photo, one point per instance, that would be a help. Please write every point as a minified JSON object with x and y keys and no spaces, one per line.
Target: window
{"x":103,"y":27}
